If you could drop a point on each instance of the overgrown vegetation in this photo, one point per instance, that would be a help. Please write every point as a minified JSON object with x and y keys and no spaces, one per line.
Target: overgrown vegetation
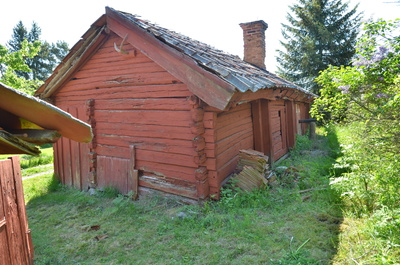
{"x":369,"y":188}
{"x":366,"y":97}
{"x":285,"y":224}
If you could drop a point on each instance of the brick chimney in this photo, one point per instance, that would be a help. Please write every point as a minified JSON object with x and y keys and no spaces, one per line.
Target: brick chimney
{"x":254,"y":42}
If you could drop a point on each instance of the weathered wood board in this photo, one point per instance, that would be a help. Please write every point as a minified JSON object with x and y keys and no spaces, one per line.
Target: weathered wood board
{"x":15,"y":239}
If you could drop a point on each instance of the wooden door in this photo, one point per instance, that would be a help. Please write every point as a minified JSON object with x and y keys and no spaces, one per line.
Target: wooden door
{"x":278,"y":129}
{"x":270,"y":128}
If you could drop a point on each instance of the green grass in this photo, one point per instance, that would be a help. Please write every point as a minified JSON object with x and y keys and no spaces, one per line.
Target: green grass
{"x":28,"y":161}
{"x":39,"y":186}
{"x":272,"y":226}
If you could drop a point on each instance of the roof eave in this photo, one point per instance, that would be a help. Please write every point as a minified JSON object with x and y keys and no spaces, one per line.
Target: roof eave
{"x":78,"y":54}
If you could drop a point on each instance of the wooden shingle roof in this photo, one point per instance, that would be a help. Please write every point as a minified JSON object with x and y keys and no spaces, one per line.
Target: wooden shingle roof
{"x":244,"y":76}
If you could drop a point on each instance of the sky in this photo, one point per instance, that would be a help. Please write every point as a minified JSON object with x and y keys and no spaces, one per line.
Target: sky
{"x":215,"y":22}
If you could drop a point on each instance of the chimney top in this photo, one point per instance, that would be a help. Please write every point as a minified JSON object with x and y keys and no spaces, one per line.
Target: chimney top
{"x":262,"y":22}
{"x":254,"y":42}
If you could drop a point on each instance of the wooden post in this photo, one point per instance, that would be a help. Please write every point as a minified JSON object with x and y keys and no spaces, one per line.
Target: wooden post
{"x":291,"y":122}
{"x":90,"y":109}
{"x":18,"y":242}
{"x":312,"y":135}
{"x":199,"y":145}
{"x":133,"y":177}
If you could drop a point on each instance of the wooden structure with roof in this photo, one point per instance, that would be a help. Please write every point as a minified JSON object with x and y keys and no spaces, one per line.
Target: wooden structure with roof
{"x":168,"y":112}
{"x":25,"y":122}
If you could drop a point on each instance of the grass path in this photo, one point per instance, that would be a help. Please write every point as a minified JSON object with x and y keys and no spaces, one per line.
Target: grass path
{"x":37,"y":171}
{"x":38,"y":174}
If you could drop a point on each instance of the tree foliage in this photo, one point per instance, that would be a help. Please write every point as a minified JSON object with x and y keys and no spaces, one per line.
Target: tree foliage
{"x":368,"y":91}
{"x":11,"y":62}
{"x":319,"y":33}
{"x":44,"y":62}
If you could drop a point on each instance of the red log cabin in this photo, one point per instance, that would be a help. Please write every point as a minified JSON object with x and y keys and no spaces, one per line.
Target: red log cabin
{"x":168,"y":112}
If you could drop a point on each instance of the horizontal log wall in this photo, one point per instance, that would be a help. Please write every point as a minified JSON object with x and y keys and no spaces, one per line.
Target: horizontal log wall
{"x":136,"y":103}
{"x":227,"y":132}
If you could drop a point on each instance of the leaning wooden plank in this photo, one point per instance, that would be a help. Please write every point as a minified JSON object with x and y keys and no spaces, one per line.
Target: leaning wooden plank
{"x":43,"y":114}
{"x":252,"y":166}
{"x":10,"y":144}
{"x":35,"y":136}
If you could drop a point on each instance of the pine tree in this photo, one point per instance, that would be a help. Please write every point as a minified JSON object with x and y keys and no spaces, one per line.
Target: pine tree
{"x":320,"y":33}
{"x":49,"y":56}
{"x":20,"y":33}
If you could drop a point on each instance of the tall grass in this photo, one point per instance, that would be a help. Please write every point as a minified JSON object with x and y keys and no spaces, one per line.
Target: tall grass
{"x":45,"y":158}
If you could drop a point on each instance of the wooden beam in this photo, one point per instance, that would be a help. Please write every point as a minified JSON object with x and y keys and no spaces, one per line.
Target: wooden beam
{"x":38,"y":137}
{"x":273,"y":93}
{"x":10,"y":144}
{"x":43,"y":114}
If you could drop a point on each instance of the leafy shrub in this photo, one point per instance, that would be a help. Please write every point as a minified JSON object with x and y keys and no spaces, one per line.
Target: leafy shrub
{"x":387,"y":225}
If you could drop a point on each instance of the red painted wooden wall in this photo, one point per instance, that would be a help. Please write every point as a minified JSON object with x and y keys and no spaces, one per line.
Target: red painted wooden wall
{"x":71,"y":159}
{"x":15,"y":239}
